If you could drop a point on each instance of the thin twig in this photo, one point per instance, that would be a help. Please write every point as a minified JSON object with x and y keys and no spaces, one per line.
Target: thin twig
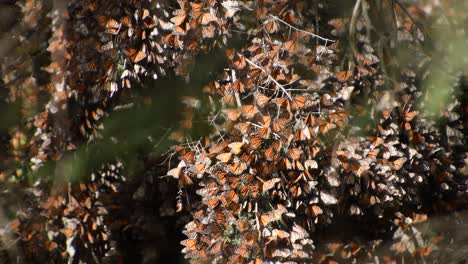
{"x":301,"y":30}
{"x":238,"y":100}
{"x":257,"y":223}
{"x":352,"y":24}
{"x":270,"y":77}
{"x":254,"y":124}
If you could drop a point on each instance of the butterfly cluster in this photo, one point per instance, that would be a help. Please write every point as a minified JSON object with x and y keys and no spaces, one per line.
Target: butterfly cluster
{"x":76,"y":222}
{"x":317,"y":124}
{"x":288,"y":156}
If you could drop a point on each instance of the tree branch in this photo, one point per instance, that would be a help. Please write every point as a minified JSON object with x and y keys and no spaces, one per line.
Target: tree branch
{"x":301,"y":30}
{"x":270,"y":77}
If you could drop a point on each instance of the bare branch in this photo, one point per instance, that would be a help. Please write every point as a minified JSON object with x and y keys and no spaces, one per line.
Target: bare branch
{"x":270,"y":77}
{"x":354,"y":17}
{"x":301,"y":30}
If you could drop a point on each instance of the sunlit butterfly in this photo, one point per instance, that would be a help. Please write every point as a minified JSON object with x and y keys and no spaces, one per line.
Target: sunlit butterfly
{"x":112,"y":26}
{"x":236,"y":147}
{"x":249,"y":111}
{"x":344,"y":76}
{"x":298,"y":102}
{"x":224,"y":157}
{"x":237,"y":168}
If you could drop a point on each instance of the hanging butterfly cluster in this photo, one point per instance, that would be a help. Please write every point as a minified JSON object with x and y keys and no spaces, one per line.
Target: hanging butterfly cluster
{"x":290,"y":160}
{"x":310,"y":128}
{"x":75,"y":224}
{"x":98,"y":50}
{"x":101,"y":48}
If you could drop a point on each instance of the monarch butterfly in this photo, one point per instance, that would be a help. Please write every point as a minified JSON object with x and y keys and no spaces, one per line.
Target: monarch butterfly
{"x":243,"y":225}
{"x":240,"y":63}
{"x":265,"y":121}
{"x":214,"y":249}
{"x":68,"y":232}
{"x":297,"y":233}
{"x":197,"y":7}
{"x":229,"y":99}
{"x":242,"y":251}
{"x":172,"y":40}
{"x":267,"y":185}
{"x":209,"y":31}
{"x":410,"y":115}
{"x":149,"y":23}
{"x":373,"y":153}
{"x":264,"y":132}
{"x":386,"y":113}
{"x":220,"y":217}
{"x":224,"y":157}
{"x":311,"y":164}
{"x":255,"y":142}
{"x":280,"y":101}
{"x":398,"y":163}
{"x":343,"y":76}
{"x":145,"y":13}
{"x":325,"y":126}
{"x":315,"y":68}
{"x":236,"y":147}
{"x":182,"y":29}
{"x":113,"y":27}
{"x":265,"y":220}
{"x":294,"y":153}
{"x":326,"y":99}
{"x":407,"y":126}
{"x":249,"y":110}
{"x":299,"y":166}
{"x":238,"y":86}
{"x":279,"y":124}
{"x":418,"y":218}
{"x":261,"y":99}
{"x":185,"y":180}
{"x":293,"y":46}
{"x":251,"y":190}
{"x":316,"y":210}
{"x":137,"y":56}
{"x":175,"y":172}
{"x":298,"y":102}
{"x":285,"y":164}
{"x":234,"y":181}
{"x":180,"y":18}
{"x":338,"y":23}
{"x":221,"y":177}
{"x":244,"y":128}
{"x":237,"y":168}
{"x":269,"y":154}
{"x":271,"y":26}
{"x":302,"y":134}
{"x":199,"y":168}
{"x":230,"y":53}
{"x":232,"y":114}
{"x":232,"y":196}
{"x":51,"y":245}
{"x":377,"y":141}
{"x":207,"y":17}
{"x":190,"y":244}
{"x":212,"y":203}
{"x":188,"y":156}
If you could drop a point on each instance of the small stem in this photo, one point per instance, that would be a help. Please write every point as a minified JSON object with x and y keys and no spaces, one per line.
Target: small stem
{"x":301,"y":30}
{"x":354,"y":17}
